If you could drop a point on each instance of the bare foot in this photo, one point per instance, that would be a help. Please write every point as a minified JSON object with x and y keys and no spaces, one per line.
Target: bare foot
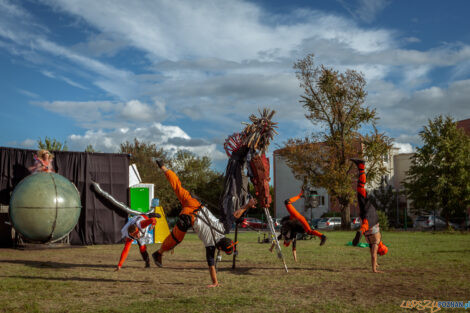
{"x":377,"y":271}
{"x":213,"y":285}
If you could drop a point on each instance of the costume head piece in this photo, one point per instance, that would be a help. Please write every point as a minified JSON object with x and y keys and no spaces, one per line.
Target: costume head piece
{"x":226,"y":245}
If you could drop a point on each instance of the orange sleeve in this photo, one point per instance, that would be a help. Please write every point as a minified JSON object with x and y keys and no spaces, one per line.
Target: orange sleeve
{"x":183,"y":195}
{"x":364,"y":226}
{"x":125,"y":251}
{"x":293,"y":199}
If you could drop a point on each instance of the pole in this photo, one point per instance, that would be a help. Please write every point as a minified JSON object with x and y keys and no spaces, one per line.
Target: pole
{"x":274,"y":237}
{"x":398,"y":220}
{"x":406,"y":217}
{"x":235,"y":251}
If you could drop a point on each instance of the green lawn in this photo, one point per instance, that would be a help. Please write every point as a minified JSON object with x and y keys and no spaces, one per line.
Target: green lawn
{"x":332,"y":278}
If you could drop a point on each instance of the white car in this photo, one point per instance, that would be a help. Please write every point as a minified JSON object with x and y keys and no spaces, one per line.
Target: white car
{"x":427,"y":222}
{"x":329,"y":223}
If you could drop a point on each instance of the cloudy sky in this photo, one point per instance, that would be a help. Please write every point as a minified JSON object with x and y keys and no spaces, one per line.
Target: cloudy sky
{"x":185,"y":74}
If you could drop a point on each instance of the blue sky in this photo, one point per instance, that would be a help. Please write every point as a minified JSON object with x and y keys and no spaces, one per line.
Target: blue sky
{"x":185,"y":74}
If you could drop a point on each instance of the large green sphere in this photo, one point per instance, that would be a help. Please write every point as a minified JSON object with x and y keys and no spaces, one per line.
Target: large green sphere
{"x":44,"y":207}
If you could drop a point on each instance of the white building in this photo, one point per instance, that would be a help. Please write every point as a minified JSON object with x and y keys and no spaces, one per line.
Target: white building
{"x":287,"y":186}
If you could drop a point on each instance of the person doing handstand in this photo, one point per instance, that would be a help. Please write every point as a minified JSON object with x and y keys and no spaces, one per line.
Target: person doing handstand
{"x":137,"y":229}
{"x":209,"y":229}
{"x":369,"y":219}
{"x":290,"y":228}
{"x":295,"y":215}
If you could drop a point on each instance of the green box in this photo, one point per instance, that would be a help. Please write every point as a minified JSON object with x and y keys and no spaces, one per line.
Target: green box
{"x":140,"y":199}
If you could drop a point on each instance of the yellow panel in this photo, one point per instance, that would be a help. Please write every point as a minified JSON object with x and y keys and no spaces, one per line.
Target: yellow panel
{"x":161,"y":230}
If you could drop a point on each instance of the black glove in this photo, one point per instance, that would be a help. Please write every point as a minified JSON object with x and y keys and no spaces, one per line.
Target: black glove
{"x":159,"y":162}
{"x":357,"y":238}
{"x":156,"y":215}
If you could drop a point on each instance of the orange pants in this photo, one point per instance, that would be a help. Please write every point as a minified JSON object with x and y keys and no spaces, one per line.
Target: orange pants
{"x":186,"y":218}
{"x":296,"y":215}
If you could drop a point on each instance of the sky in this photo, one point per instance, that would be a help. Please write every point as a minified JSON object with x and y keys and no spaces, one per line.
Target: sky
{"x":185,"y":74}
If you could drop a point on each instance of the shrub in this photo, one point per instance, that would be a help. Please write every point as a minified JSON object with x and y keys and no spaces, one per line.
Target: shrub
{"x":383,"y":220}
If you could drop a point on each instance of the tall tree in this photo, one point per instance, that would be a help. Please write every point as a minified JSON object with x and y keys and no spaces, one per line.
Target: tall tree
{"x":90,"y":148}
{"x":193,"y":171}
{"x":141,"y":154}
{"x":384,"y":198}
{"x":197,"y":176}
{"x":439,"y":177}
{"x":335,"y":105}
{"x":52,"y":144}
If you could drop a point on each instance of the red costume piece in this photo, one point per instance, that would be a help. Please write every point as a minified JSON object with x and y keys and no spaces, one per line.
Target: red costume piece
{"x":127,"y":246}
{"x":260,"y":167}
{"x":294,"y":214}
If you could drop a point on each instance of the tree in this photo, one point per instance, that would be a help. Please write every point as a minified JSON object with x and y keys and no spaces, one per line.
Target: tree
{"x":335,"y":105}
{"x":141,"y":154}
{"x":384,"y":198}
{"x":52,"y":144}
{"x":197,"y":177}
{"x":193,"y":171}
{"x":439,"y":175}
{"x":90,"y":148}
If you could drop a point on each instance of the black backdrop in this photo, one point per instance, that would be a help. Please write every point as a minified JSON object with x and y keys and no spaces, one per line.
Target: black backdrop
{"x":99,"y":222}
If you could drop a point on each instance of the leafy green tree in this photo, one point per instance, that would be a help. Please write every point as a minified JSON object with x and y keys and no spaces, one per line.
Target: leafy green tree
{"x":90,"y":148}
{"x":383,"y":220}
{"x":141,"y":154}
{"x":439,"y":177}
{"x":335,"y":105}
{"x":383,"y":197}
{"x":197,"y":176}
{"x":52,"y":144}
{"x":193,"y":171}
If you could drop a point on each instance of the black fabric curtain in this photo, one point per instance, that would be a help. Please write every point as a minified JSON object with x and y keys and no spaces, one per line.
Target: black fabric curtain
{"x":99,"y":222}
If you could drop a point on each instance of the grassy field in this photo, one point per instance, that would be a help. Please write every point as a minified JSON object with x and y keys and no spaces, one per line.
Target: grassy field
{"x":331,"y":278}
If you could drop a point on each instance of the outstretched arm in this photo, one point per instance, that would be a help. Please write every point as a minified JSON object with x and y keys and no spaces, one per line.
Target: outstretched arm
{"x":210,"y":257}
{"x":293,"y":199}
{"x":251,"y":204}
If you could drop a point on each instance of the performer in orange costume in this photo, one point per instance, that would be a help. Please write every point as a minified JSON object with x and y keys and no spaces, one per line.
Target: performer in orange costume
{"x":136,"y":229}
{"x":186,"y":217}
{"x":369,"y":219}
{"x":209,"y":229}
{"x":294,"y":215}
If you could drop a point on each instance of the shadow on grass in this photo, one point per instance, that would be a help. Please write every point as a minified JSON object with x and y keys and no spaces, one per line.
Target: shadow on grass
{"x":452,"y":251}
{"x":49,"y":264}
{"x":101,"y":280}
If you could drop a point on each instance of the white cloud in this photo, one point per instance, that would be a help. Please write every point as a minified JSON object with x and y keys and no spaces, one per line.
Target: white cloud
{"x":406,"y":114}
{"x":106,"y":114}
{"x":137,"y":111}
{"x":365,"y":10}
{"x":65,"y":79}
{"x":201,"y":63}
{"x":170,"y":138}
{"x":28,"y":93}
{"x":403,"y":147}
{"x":29,"y":144}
